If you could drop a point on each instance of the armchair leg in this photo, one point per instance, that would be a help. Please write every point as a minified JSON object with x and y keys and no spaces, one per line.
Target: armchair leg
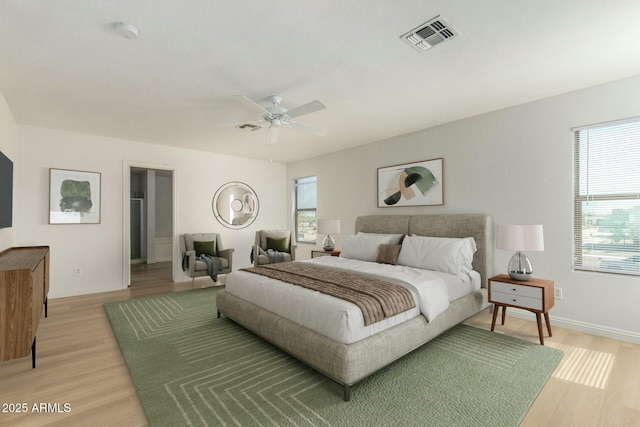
{"x":193,"y":281}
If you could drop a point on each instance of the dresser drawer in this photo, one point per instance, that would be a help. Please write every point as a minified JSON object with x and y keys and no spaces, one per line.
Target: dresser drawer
{"x":516,"y":290}
{"x":515,"y":300}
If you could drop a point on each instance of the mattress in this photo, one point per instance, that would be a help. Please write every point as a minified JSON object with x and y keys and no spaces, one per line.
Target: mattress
{"x":340,"y":320}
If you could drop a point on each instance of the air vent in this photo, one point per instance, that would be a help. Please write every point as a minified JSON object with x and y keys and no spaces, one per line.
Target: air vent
{"x":429,"y":34}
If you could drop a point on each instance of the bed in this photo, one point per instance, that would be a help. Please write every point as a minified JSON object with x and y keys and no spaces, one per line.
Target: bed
{"x":349,"y":360}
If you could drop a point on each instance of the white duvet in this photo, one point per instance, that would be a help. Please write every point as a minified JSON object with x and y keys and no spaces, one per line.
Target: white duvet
{"x":341,"y":320}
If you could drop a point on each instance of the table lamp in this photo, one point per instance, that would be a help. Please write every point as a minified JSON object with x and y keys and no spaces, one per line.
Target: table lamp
{"x":519,"y":238}
{"x":328,"y":227}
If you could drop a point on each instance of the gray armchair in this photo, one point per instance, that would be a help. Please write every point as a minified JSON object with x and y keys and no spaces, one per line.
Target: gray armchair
{"x":278,"y":240}
{"x":197,"y":268}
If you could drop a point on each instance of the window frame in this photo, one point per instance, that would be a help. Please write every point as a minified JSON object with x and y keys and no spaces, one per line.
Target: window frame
{"x":579,"y":198}
{"x":297,"y":185}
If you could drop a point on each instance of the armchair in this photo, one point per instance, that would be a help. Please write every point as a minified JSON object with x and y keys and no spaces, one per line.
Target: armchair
{"x":197,"y":268}
{"x":278,"y":240}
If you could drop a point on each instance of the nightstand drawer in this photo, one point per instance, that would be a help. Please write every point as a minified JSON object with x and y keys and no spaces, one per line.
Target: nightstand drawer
{"x":515,"y":300}
{"x":316,"y":254}
{"x":516,"y":290}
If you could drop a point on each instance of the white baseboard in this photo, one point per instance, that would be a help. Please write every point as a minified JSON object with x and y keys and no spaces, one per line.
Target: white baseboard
{"x":575,"y":325}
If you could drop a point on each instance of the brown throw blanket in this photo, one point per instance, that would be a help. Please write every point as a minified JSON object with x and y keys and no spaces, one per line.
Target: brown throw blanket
{"x":376,"y":298}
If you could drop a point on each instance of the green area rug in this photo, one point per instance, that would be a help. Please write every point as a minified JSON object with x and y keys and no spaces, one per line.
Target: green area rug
{"x":191,"y":368}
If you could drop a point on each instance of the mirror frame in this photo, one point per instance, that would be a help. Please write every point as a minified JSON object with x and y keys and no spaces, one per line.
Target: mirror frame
{"x":222,"y":218}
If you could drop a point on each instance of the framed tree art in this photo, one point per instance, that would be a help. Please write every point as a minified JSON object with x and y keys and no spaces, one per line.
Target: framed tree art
{"x":411,"y":184}
{"x":74,"y":197}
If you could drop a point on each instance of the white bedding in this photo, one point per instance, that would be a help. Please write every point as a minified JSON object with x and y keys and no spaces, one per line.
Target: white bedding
{"x":341,"y":320}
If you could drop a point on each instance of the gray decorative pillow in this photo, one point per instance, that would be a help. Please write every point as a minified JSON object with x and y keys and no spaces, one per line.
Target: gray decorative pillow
{"x":388,"y":254}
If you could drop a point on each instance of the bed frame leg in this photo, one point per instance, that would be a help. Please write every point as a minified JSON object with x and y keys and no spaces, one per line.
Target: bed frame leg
{"x":347,"y":392}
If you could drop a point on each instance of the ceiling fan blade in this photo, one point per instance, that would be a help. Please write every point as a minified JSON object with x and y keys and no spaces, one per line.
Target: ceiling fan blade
{"x":308,"y":108}
{"x":314,"y":130}
{"x":251,"y":103}
{"x":273,"y":135}
{"x":239,"y":124}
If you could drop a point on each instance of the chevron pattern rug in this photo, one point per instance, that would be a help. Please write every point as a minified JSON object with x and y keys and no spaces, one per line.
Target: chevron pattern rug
{"x":193,"y":369}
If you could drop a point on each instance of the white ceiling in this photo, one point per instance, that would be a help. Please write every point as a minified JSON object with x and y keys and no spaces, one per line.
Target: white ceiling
{"x":63,"y":66}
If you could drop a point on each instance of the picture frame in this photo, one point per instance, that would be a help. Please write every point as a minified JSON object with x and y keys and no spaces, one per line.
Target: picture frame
{"x":74,"y":196}
{"x":411,"y":184}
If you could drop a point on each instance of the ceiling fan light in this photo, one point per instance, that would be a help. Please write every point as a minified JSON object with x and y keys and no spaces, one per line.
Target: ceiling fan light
{"x":272,"y":136}
{"x":126,"y":30}
{"x":276,"y":123}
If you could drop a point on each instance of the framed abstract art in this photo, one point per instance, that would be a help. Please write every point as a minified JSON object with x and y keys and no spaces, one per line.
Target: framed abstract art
{"x":74,"y":197}
{"x":412,"y":184}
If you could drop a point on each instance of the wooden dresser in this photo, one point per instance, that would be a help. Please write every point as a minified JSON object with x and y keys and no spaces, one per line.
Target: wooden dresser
{"x":24,"y":285}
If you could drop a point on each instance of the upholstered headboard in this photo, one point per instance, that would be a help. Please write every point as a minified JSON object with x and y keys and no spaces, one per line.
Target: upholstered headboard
{"x":478,"y":226}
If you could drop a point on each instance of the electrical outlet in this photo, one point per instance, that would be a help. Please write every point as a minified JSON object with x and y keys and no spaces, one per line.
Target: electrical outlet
{"x":77,"y":271}
{"x":558,"y":293}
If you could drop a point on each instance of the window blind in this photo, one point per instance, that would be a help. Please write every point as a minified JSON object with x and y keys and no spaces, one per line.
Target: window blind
{"x":607,"y":197}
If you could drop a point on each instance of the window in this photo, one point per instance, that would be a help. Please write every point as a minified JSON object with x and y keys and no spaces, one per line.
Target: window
{"x":607,"y":197}
{"x":304,"y":215}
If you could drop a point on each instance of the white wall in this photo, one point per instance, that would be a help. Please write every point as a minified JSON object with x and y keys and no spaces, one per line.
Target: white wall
{"x":9,"y":147}
{"x":98,"y":248}
{"x":514,"y":164}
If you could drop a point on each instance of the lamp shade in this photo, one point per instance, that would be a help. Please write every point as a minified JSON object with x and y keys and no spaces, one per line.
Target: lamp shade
{"x":328,"y":226}
{"x":520,"y":237}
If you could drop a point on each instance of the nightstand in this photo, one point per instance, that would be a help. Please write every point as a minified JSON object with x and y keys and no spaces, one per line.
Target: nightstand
{"x":535,"y":295}
{"x":316,"y":254}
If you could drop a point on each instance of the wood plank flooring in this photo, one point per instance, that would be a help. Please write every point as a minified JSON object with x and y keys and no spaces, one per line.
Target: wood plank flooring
{"x":79,"y":364}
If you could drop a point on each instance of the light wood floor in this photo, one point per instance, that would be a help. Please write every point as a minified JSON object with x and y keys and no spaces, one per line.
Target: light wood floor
{"x":143,"y":274}
{"x":79,"y":364}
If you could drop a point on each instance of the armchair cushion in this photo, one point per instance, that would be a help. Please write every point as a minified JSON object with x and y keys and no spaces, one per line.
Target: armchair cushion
{"x":202,"y":266}
{"x":264,"y":259}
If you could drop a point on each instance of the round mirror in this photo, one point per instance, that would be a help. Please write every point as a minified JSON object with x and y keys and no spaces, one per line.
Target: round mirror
{"x":235,"y":205}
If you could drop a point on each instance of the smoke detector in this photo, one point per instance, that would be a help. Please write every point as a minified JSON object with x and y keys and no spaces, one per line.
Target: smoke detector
{"x":126,"y":30}
{"x":429,"y":34}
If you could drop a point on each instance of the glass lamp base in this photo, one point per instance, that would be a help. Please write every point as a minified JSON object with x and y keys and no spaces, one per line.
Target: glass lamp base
{"x":328,"y":244}
{"x":520,"y":267}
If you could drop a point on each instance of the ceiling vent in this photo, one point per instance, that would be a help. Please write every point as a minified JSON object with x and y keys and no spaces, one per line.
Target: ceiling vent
{"x":429,"y":34}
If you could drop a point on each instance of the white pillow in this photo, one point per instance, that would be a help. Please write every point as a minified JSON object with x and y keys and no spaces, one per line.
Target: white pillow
{"x":365,"y":246}
{"x":449,"y":255}
{"x":395,"y":238}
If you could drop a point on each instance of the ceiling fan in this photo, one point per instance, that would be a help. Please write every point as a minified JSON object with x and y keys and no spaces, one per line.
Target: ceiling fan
{"x":276,"y":117}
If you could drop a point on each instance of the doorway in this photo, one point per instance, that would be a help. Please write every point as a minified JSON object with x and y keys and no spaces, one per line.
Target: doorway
{"x":149,"y":225}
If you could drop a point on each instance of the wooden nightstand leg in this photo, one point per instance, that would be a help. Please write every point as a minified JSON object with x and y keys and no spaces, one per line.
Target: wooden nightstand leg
{"x":539,"y":319}
{"x":546,"y":319}
{"x":495,"y":315}
{"x":504,"y":312}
